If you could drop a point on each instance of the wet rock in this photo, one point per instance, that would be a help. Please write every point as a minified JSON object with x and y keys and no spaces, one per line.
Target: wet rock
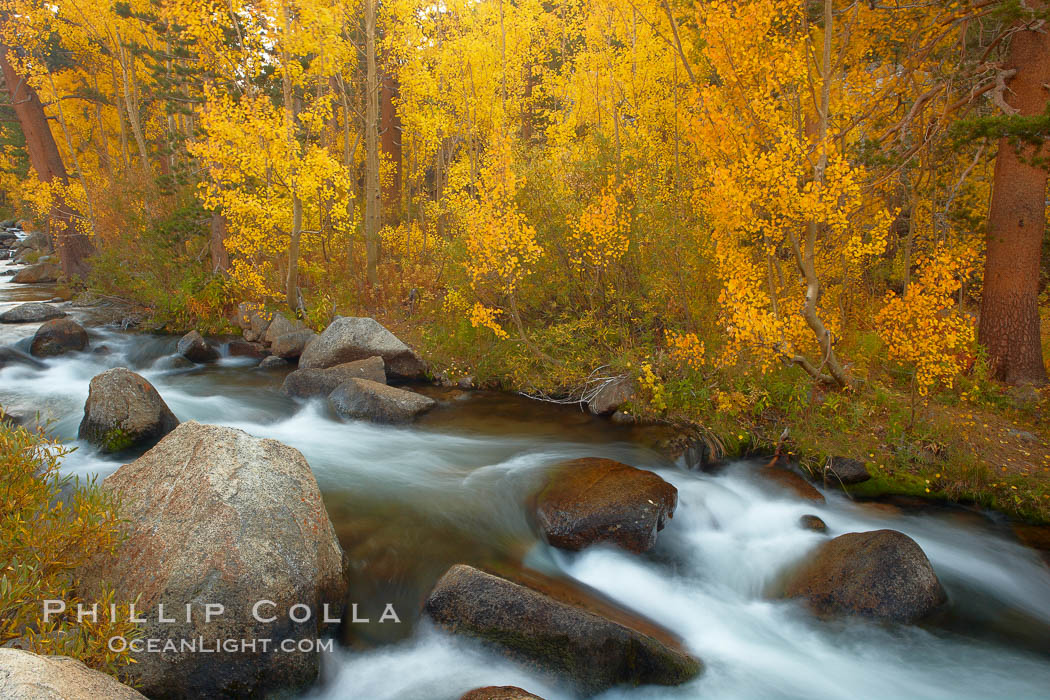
{"x":592,"y":651}
{"x":28,"y":676}
{"x":57,"y":337}
{"x":307,"y":383}
{"x":273,"y":362}
{"x":352,"y":338}
{"x":124,"y":411}
{"x":33,"y":312}
{"x":790,"y":481}
{"x":588,"y":501}
{"x":291,"y":345}
{"x":101,"y":350}
{"x":242,"y":348}
{"x":218,"y":516}
{"x":364,"y":399}
{"x":612,"y":394}
{"x":694,"y":448}
{"x":812,"y":522}
{"x":40,"y":273}
{"x":499,"y":692}
{"x":845,"y":471}
{"x":280,"y":325}
{"x":882,"y":574}
{"x":195,"y":348}
{"x":465,"y":383}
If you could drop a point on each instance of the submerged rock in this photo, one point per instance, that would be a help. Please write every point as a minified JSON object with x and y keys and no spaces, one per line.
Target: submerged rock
{"x":364,"y":399}
{"x":307,"y":383}
{"x":291,"y":345}
{"x":195,"y":348}
{"x":40,"y":273}
{"x":243,"y":348}
{"x":32,"y":312}
{"x":588,"y":501}
{"x":57,"y":337}
{"x":790,"y":481}
{"x":353,"y":338}
{"x":273,"y":362}
{"x":11,"y":356}
{"x":220,"y":517}
{"x":590,"y":649}
{"x":124,"y":411}
{"x":499,"y":692}
{"x":881,"y":574}
{"x":28,"y":676}
{"x":812,"y":522}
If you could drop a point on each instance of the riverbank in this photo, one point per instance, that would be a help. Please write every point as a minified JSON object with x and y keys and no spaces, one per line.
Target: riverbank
{"x":978,"y":443}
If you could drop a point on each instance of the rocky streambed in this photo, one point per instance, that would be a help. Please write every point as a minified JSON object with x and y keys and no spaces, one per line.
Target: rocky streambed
{"x":478,"y":543}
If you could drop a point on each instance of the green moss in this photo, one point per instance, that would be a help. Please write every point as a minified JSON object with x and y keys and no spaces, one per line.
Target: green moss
{"x":116,"y":440}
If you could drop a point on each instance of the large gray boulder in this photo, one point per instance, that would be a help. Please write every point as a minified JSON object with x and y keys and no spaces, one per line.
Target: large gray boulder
{"x":363,"y":399}
{"x":216,"y":516}
{"x":124,"y":411}
{"x":354,"y":338}
{"x":291,"y":345}
{"x":590,"y":501}
{"x":594,"y":651}
{"x":280,"y":325}
{"x":307,"y":383}
{"x":28,"y":676}
{"x":32,"y":312}
{"x":36,"y":240}
{"x":883,"y":574}
{"x":40,"y":273}
{"x":195,"y":348}
{"x":57,"y":337}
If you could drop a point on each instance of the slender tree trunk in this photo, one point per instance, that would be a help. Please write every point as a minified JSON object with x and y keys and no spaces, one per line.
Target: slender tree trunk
{"x":72,"y":245}
{"x":103,"y":145}
{"x":373,"y":196}
{"x":131,"y":104}
{"x":290,"y":113}
{"x":1009,"y":325}
{"x":125,"y":152}
{"x":220,"y":257}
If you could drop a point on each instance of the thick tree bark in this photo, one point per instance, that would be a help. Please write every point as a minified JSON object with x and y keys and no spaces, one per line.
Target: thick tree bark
{"x":1009,"y":325}
{"x":73,"y":247}
{"x":373,"y":196}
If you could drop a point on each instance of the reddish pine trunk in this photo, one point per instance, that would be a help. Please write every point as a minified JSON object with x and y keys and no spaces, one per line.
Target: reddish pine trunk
{"x":390,"y":143}
{"x":73,"y":247}
{"x":1009,"y":325}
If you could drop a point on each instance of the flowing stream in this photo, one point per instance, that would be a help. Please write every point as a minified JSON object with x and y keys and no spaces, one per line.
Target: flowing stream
{"x":407,"y":502}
